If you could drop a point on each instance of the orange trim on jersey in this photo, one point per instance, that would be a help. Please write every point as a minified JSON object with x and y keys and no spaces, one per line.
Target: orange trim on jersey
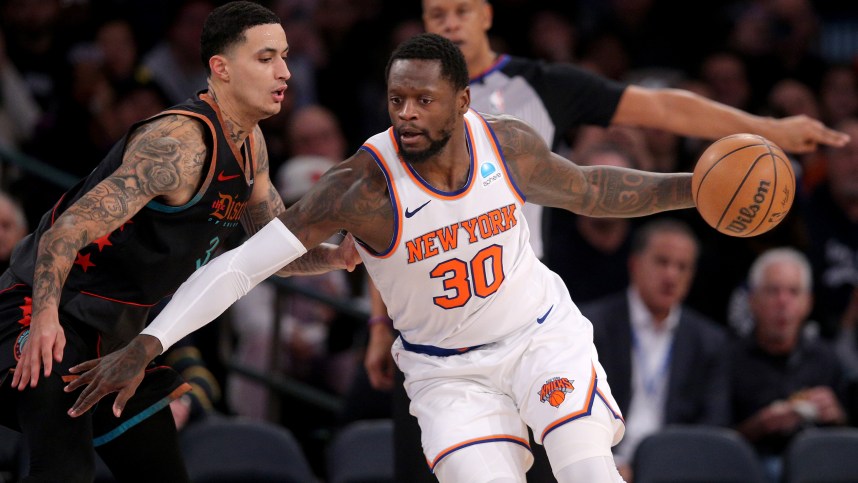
{"x":213,"y":163}
{"x":500,"y":158}
{"x":13,"y":286}
{"x":496,"y":438}
{"x":117,"y":300}
{"x":422,"y":184}
{"x":56,"y":207}
{"x":588,"y":406}
{"x":397,"y":229}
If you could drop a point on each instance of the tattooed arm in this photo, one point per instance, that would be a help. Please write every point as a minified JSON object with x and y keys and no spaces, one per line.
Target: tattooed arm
{"x":265,"y":204}
{"x":163,"y":159}
{"x":602,"y":191}
{"x":351,"y":196}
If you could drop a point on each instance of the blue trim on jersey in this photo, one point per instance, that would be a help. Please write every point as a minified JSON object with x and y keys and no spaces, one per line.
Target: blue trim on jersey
{"x":470,"y":171}
{"x":389,"y":181}
{"x":431,"y":350}
{"x":154,"y":205}
{"x":503,"y":158}
{"x":472,"y":443}
{"x":589,"y":410}
{"x":499,"y":64}
{"x":130,"y":423}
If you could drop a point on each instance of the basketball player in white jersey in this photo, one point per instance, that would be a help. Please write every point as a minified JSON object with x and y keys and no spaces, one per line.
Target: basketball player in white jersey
{"x":491,"y":342}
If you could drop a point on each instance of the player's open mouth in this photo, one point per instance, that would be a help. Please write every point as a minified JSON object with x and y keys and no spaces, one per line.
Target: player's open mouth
{"x":279,"y":94}
{"x":410,"y":136}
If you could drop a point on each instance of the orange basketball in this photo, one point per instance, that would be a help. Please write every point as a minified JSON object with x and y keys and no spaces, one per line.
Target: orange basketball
{"x":556,"y":398}
{"x":743,"y":185}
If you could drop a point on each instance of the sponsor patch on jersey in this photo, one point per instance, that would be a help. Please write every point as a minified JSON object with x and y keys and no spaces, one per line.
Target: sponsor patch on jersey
{"x":554,"y":391}
{"x":19,"y":343}
{"x":489,"y":173}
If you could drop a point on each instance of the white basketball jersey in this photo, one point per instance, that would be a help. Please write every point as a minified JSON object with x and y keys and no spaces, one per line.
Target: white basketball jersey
{"x":460,"y":271}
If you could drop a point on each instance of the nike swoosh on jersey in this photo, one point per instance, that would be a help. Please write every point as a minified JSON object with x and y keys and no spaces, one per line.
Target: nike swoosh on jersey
{"x":540,"y":320}
{"x":223,"y":177}
{"x":409,"y":213}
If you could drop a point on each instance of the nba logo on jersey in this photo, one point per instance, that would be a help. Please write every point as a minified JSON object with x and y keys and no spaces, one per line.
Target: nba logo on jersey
{"x":490,"y":173}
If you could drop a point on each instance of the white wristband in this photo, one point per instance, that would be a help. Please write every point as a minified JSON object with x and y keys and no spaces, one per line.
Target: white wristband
{"x":216,"y":286}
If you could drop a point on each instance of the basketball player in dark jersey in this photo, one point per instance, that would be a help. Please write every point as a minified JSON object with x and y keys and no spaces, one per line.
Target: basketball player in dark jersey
{"x":158,"y":207}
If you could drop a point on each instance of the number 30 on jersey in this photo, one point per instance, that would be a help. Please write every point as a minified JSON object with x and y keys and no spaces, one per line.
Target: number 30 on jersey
{"x":482,"y":276}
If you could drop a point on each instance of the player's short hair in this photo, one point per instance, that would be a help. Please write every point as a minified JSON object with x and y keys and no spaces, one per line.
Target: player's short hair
{"x":643,"y":234}
{"x":225,"y":26}
{"x":434,"y":47}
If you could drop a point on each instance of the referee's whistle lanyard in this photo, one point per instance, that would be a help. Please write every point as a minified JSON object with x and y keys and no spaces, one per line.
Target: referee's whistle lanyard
{"x":651,"y":379}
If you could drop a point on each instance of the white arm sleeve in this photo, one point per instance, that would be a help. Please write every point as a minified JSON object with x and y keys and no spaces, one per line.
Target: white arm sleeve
{"x":217,"y":285}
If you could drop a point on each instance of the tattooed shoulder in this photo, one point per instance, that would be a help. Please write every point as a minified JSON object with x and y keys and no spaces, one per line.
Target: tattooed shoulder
{"x":260,"y":150}
{"x":167,"y":154}
{"x":520,"y":144}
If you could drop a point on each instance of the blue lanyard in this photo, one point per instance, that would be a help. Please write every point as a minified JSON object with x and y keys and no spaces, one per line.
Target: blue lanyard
{"x":650,"y":382}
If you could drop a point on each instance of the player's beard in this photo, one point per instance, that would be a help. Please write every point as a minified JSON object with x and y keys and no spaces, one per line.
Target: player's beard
{"x":435,"y":147}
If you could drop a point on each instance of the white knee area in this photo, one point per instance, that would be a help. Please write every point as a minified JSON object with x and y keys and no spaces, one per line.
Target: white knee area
{"x":584,"y":438}
{"x":497,"y":462}
{"x":599,"y":469}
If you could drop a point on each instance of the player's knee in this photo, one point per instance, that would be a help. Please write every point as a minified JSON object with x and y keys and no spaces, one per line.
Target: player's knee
{"x":486,"y":463}
{"x":598,"y":469}
{"x":580,"y":439}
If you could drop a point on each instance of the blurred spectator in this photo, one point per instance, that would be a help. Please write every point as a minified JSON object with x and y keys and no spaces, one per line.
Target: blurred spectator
{"x":19,"y":111}
{"x":727,"y":77}
{"x":31,"y":29}
{"x":174,"y":63}
{"x":666,"y":363}
{"x":781,"y":381}
{"x":552,"y":37}
{"x":318,"y":144}
{"x":304,"y":323}
{"x":13,"y":227}
{"x":831,"y":219}
{"x":315,"y":130}
{"x":790,"y":97}
{"x":311,"y":130}
{"x":838,"y":93}
{"x":591,"y":254}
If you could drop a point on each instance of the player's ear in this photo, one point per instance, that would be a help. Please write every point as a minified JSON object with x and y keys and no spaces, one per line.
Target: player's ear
{"x":488,"y":14}
{"x":218,"y":66}
{"x":464,"y":102}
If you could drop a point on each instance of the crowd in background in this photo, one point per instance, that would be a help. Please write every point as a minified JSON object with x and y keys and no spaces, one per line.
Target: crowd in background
{"x":75,"y":75}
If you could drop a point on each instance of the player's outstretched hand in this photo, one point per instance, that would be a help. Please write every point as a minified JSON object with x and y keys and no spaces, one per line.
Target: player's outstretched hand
{"x":803,"y":134}
{"x":45,"y":344}
{"x":121,"y":371}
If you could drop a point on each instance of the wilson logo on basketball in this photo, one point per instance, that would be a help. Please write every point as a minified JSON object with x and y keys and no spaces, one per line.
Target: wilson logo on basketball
{"x":554,"y":391}
{"x":748,"y":213}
